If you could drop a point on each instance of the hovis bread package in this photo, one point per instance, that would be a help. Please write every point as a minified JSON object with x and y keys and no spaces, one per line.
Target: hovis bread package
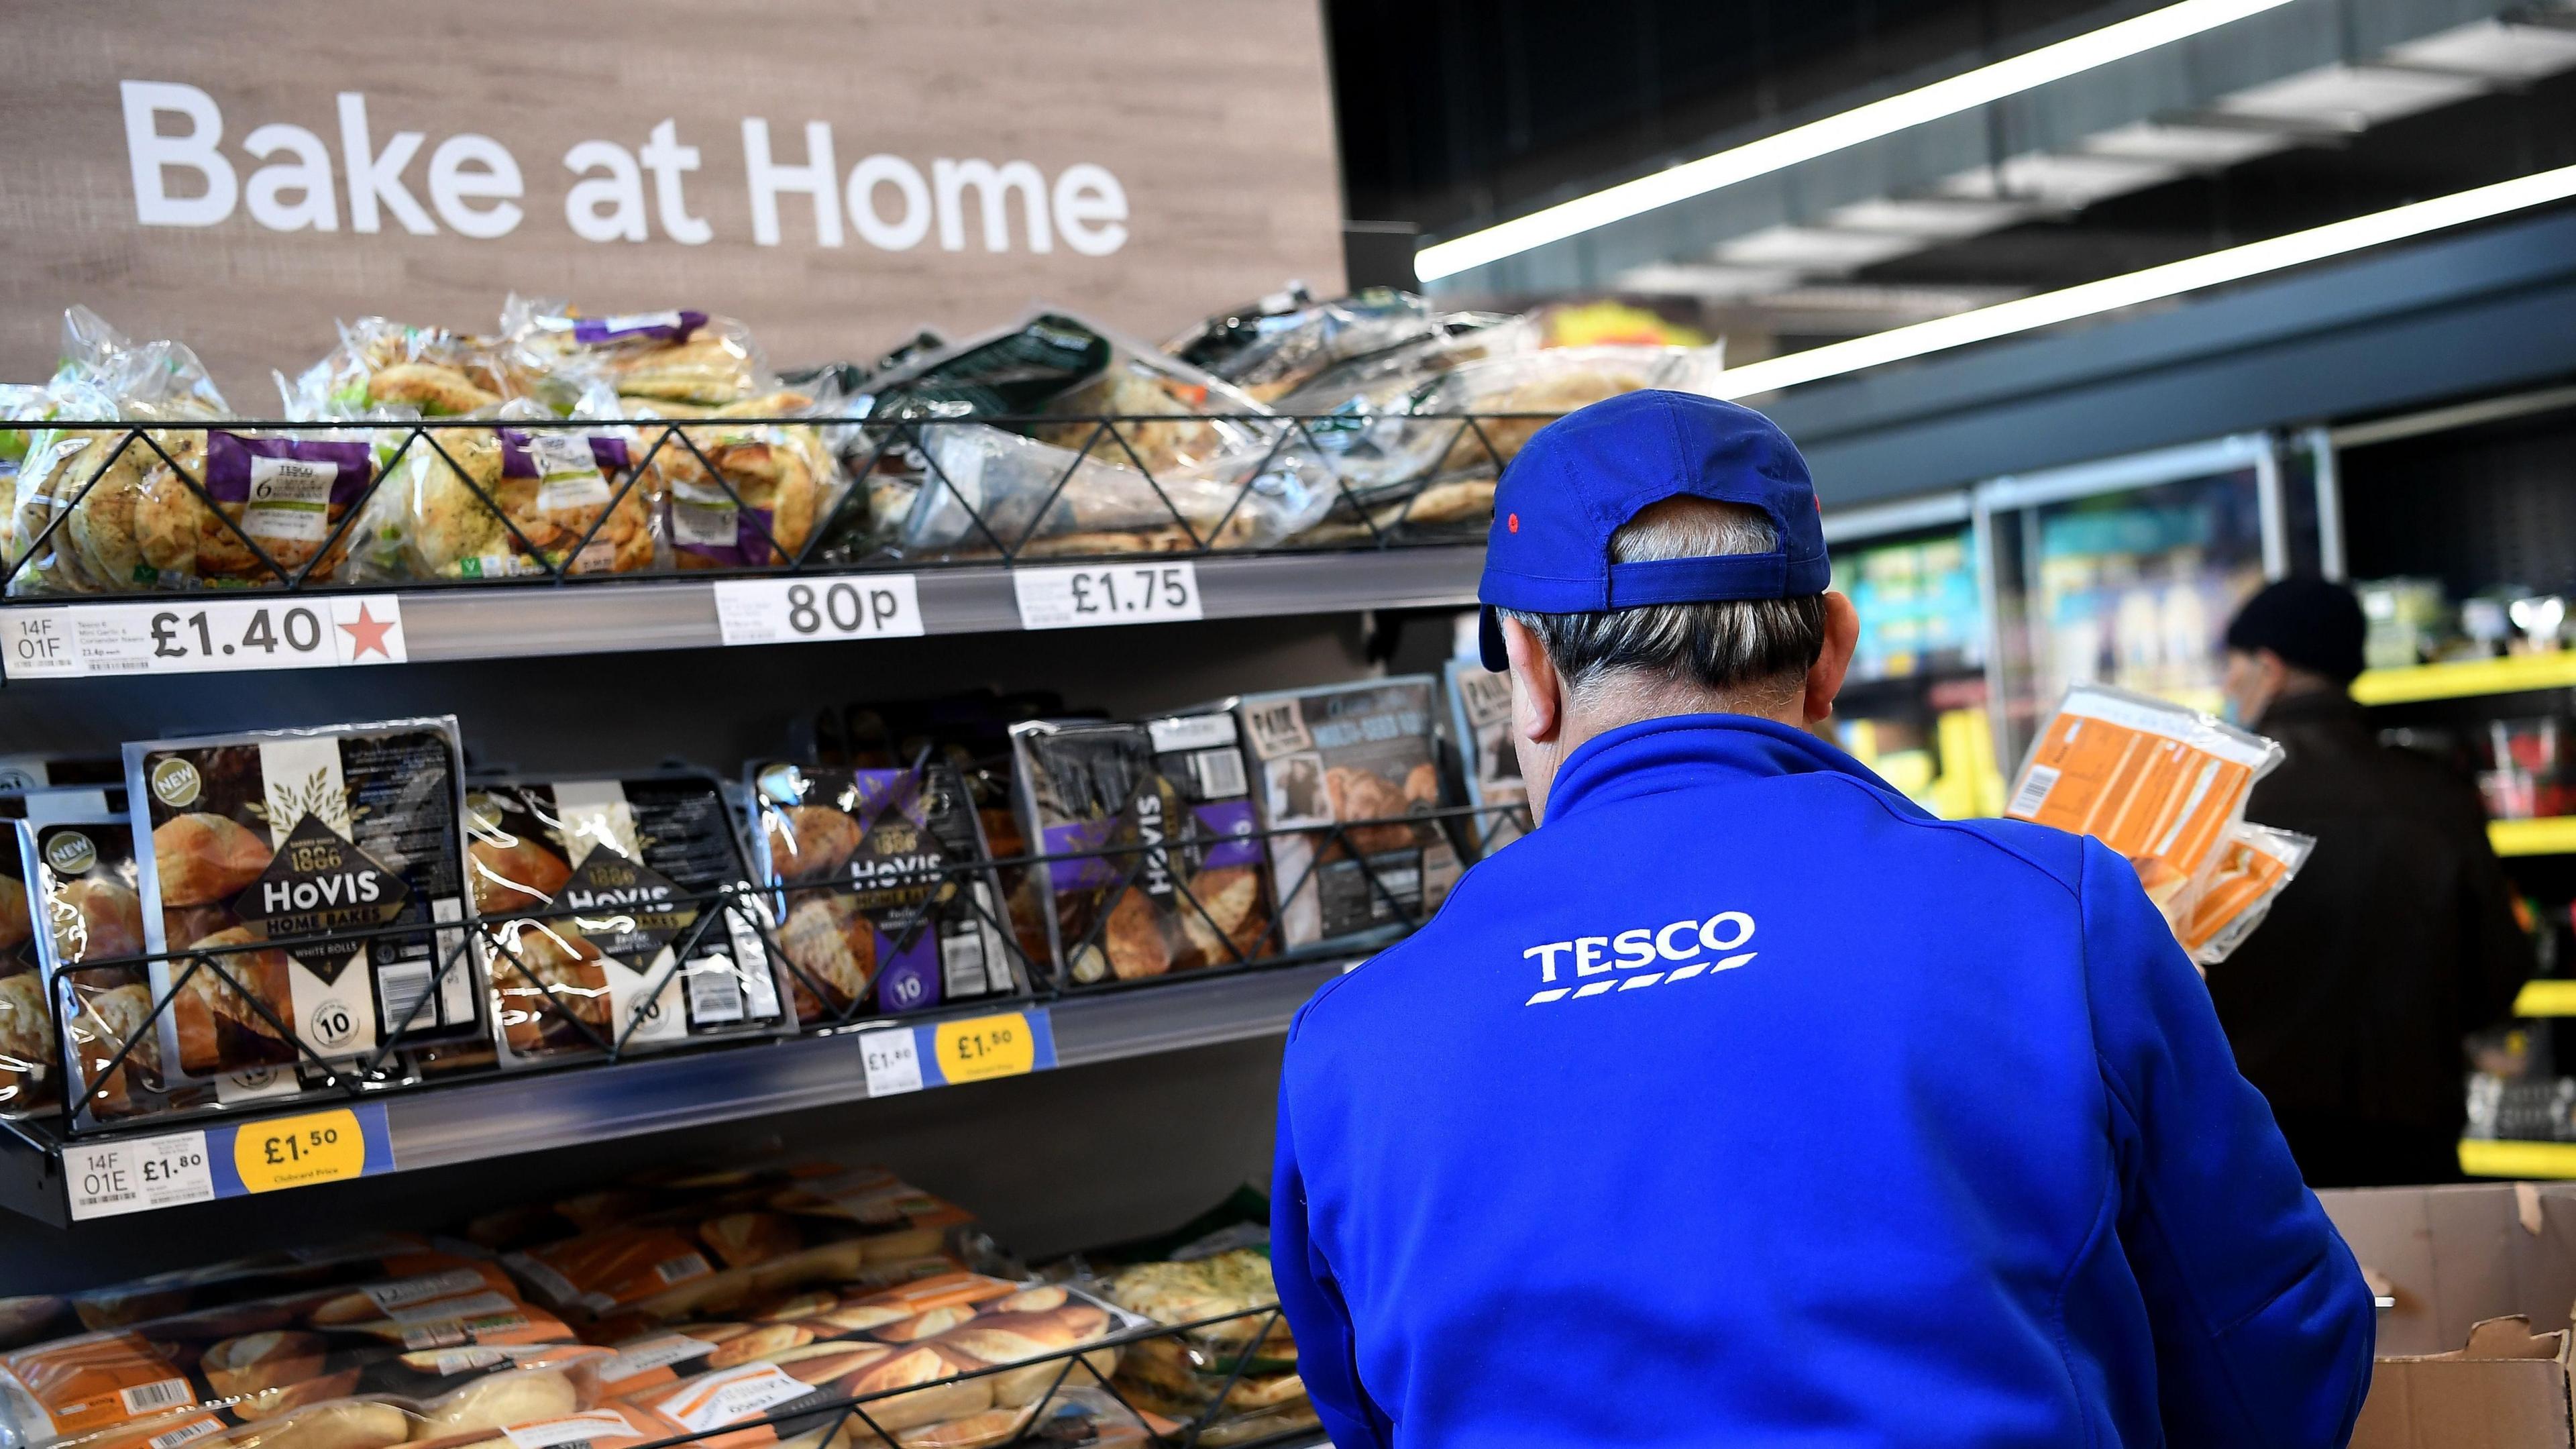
{"x":1179,"y":885}
{"x":2166,"y":786}
{"x":881,"y":902}
{"x":28,"y":1080}
{"x":1342,"y":753}
{"x":604,"y":919}
{"x":260,"y":1358}
{"x":90,"y":917}
{"x":315,"y":839}
{"x":1480,"y":713}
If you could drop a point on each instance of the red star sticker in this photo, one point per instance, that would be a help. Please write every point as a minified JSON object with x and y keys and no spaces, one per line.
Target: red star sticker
{"x":368,"y":634}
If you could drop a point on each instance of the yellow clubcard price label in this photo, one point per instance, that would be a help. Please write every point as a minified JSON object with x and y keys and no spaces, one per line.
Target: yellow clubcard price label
{"x":978,"y":1047}
{"x":300,"y":1151}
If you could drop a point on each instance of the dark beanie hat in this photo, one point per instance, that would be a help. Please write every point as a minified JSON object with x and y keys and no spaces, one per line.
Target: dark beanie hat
{"x":2310,"y":623}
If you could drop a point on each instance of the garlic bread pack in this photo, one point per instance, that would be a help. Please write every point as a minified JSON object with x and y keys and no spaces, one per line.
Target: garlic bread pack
{"x":1179,"y":884}
{"x":604,"y":922}
{"x":89,"y":904}
{"x":882,"y":903}
{"x":1342,"y":753}
{"x":343,"y":846}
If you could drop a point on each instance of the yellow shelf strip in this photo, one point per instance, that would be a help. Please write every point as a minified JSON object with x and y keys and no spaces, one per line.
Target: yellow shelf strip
{"x":2551,"y":835}
{"x":2517,"y":1159}
{"x":2508,"y":675}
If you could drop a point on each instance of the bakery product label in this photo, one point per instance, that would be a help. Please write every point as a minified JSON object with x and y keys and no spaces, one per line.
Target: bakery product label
{"x":1368,"y":759}
{"x":673,"y":326}
{"x":290,"y":498}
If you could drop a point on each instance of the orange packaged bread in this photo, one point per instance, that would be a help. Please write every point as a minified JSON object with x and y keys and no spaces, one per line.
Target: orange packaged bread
{"x":2251,"y":872}
{"x":899,"y":1313}
{"x":2160,"y":784}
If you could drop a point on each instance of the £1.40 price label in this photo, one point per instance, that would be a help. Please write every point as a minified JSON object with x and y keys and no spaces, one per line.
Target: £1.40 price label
{"x":1079,"y":598}
{"x":198,"y":635}
{"x":298,"y":1151}
{"x":790,"y":611}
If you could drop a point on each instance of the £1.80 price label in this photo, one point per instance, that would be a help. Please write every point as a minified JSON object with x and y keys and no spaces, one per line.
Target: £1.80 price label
{"x":296,"y":1151}
{"x":790,"y":611}
{"x":197,"y":635}
{"x":1077,"y":598}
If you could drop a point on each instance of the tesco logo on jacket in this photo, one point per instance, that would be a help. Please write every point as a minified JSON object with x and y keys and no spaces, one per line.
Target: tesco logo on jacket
{"x":1679,"y":950}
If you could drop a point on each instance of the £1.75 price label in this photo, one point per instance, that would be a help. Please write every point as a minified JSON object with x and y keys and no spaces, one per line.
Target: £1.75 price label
{"x":194,"y":635}
{"x":790,"y":611}
{"x":1079,"y":598}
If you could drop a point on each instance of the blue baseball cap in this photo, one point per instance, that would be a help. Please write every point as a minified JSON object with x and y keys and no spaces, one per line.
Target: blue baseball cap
{"x":1581,"y":478}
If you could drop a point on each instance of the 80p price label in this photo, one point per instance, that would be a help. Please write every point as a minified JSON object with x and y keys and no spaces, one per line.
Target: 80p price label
{"x":1077,"y":598}
{"x":790,"y":611}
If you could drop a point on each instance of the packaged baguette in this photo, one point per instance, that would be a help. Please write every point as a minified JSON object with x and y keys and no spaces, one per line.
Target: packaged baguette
{"x":1272,"y":347}
{"x":1361,"y":754}
{"x":455,"y":1397}
{"x":258,"y":1358}
{"x":304,"y":838}
{"x":508,"y":500}
{"x":608,"y":921}
{"x":1178,"y":885}
{"x":2160,"y":783}
{"x":885,"y":899}
{"x":296,"y":1272}
{"x":388,"y":369}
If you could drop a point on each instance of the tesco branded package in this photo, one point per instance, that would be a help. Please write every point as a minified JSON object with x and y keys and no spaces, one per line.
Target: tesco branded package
{"x":606,"y":921}
{"x":1180,"y":884}
{"x":674,"y":356}
{"x":739,"y":490}
{"x":1360,"y":752}
{"x":1480,"y":715}
{"x":306,"y":838}
{"x":884,"y":902}
{"x":2165,"y":786}
{"x":696,"y":1261}
{"x":507,"y":500}
{"x":90,"y":908}
{"x":257,"y":1358}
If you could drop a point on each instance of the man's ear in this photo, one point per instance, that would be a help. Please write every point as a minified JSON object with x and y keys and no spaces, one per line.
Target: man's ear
{"x":1842,"y":636}
{"x":1538,"y":695}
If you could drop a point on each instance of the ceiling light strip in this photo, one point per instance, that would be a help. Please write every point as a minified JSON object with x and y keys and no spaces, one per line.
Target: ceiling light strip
{"x":1948,"y":97}
{"x":2155,"y":283}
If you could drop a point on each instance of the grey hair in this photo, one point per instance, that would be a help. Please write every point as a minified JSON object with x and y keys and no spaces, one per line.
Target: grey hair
{"x":1732,"y":646}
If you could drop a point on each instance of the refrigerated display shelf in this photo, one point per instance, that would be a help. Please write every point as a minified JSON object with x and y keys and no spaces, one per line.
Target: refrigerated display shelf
{"x":2549,"y":835}
{"x":443,"y":1125}
{"x":2461,"y":679}
{"x":2482,"y":1157}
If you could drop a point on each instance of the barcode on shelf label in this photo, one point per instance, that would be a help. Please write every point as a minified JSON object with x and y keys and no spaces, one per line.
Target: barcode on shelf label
{"x":791,"y":611}
{"x":893,"y":1061}
{"x":1081,"y":598}
{"x":2033,"y":792}
{"x":681,"y":1269}
{"x":197,"y":635}
{"x":105,"y":1179}
{"x":154,"y":1397}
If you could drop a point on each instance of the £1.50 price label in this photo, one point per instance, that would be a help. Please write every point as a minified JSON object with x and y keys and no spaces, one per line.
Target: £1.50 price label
{"x":1079,"y":598}
{"x":790,"y":611}
{"x":298,"y":1151}
{"x":105,"y":1179}
{"x":198,"y":635}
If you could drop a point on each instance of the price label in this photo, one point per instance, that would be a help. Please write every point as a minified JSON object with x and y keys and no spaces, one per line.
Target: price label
{"x":790,"y":611}
{"x":978,"y":1047}
{"x":1081,"y":598}
{"x":196,"y":634}
{"x":893,"y":1061}
{"x":297,"y":1151}
{"x":108,"y":1179}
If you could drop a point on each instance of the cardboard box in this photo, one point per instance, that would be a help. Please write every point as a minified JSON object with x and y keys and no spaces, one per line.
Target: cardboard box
{"x":2474,"y":1343}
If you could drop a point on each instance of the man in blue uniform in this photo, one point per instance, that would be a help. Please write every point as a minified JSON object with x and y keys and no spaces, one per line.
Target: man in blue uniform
{"x":1743,"y":1102}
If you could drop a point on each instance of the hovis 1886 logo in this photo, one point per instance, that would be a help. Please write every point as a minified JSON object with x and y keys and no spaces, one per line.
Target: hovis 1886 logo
{"x":1676,"y":951}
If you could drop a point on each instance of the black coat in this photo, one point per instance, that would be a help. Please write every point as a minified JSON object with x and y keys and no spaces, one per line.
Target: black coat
{"x":2396,"y":939}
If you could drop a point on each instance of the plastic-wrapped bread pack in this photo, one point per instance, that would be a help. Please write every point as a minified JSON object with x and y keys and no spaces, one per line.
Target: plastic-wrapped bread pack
{"x":1242,"y":1366}
{"x":738,"y":491}
{"x":90,"y":910}
{"x":241,"y":508}
{"x":2252,"y":870}
{"x":1286,"y":340}
{"x":79,"y":489}
{"x":2165,"y":786}
{"x":1362,"y":752}
{"x":883,"y":901}
{"x":676,"y":357}
{"x":1480,"y":714}
{"x":710,"y":1258}
{"x":418,"y":1337}
{"x":507,"y":501}
{"x":292,"y":1272}
{"x":328,"y":842}
{"x":1179,"y":884}
{"x":605,"y":922}
{"x":29,"y":1078}
{"x":388,"y":369}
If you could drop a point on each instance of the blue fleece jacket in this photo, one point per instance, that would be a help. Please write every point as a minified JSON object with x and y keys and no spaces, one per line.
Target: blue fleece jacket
{"x":1745,"y":1103}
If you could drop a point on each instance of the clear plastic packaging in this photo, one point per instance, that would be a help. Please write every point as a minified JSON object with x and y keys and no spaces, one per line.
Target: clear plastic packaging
{"x":986,"y":488}
{"x":677,"y":356}
{"x":508,"y":501}
{"x":28,"y":1079}
{"x":743,"y":493}
{"x":623,"y":940}
{"x":1359,"y":752}
{"x":881,"y":901}
{"x":1480,"y":716}
{"x":90,"y":909}
{"x":222,"y":499}
{"x":315,"y":836}
{"x":384,"y":369}
{"x":1242,"y":1368}
{"x":1183,"y":888}
{"x":1286,"y":340}
{"x":2257,"y":864}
